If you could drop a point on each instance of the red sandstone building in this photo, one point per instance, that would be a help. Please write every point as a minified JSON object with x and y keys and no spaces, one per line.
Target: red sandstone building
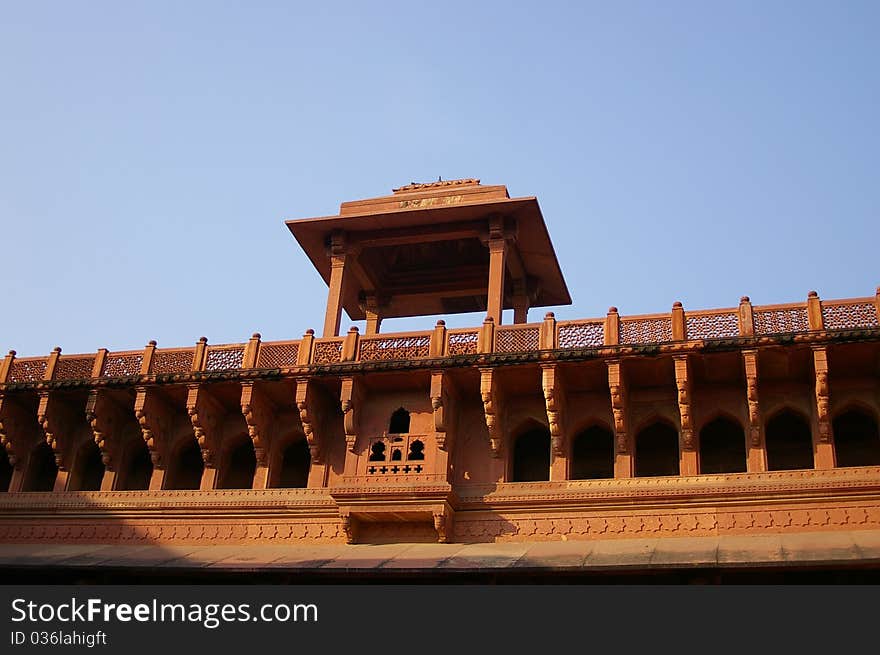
{"x":719,"y":440}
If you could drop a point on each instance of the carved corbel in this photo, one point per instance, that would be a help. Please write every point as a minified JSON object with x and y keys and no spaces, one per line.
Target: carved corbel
{"x":554,"y":399}
{"x":750,"y":359}
{"x":348,"y":526}
{"x":206,"y":415}
{"x":350,"y":400}
{"x":259,"y":413}
{"x":443,"y":523}
{"x":49,"y":424}
{"x":309,"y":416}
{"x":155,"y":419}
{"x":490,"y":396}
{"x":9,"y":425}
{"x":104,"y":416}
{"x":823,"y":393}
{"x":5,"y":444}
{"x":683,"y":386}
{"x":617,"y":387}
{"x":442,"y":398}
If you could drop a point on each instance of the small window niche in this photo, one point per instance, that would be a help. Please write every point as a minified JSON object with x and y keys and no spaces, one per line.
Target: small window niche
{"x":399,"y":423}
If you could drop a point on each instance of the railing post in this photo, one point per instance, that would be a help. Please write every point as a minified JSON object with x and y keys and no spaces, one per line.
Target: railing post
{"x":486,"y":340}
{"x":350,"y":345}
{"x":877,"y":302}
{"x":200,"y":354}
{"x":547,"y":337}
{"x":6,"y":366}
{"x":306,"y":346}
{"x":147,"y":361}
{"x":251,"y":350}
{"x":746,"y":318}
{"x":51,"y":362}
{"x":612,"y":327}
{"x":98,"y":366}
{"x":679,"y":333}
{"x":814,"y":311}
{"x":437,"y":347}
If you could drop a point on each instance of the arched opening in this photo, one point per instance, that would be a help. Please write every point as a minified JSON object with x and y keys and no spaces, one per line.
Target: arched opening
{"x":41,"y":469}
{"x":239,"y":466}
{"x":789,"y":442}
{"x":722,"y":447}
{"x":377,"y":452}
{"x":531,"y":456}
{"x":185,"y":468}
{"x":416,"y":451}
{"x":656,"y":451}
{"x":399,"y":423}
{"x":856,"y":439}
{"x":88,"y":469}
{"x":592,"y":454}
{"x":295,"y":463}
{"x":137,"y":468}
{"x":6,"y":470}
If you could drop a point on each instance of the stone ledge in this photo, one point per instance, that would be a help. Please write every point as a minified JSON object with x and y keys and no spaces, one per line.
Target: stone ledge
{"x":844,"y":548}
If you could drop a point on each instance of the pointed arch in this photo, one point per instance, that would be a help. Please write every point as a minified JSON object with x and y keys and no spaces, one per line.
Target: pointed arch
{"x":531,"y":453}
{"x":291,"y":463}
{"x":592,"y":452}
{"x":656,"y":447}
{"x":238,"y":463}
{"x":41,"y":469}
{"x":789,"y":441}
{"x":185,"y":465}
{"x":87,"y":471}
{"x":136,"y":466}
{"x":723,"y":446}
{"x":856,"y":437}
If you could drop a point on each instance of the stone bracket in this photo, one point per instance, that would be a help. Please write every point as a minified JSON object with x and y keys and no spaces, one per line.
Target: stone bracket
{"x":14,"y":438}
{"x":307,"y":403}
{"x":350,"y":398}
{"x":617,"y":388}
{"x":443,"y":397}
{"x":683,"y":387}
{"x":490,"y":394}
{"x":105,"y":417}
{"x":823,"y":394}
{"x":59,"y":422}
{"x":206,"y":415}
{"x":259,"y":414}
{"x":750,"y":361}
{"x":555,"y":401}
{"x":156,"y":420}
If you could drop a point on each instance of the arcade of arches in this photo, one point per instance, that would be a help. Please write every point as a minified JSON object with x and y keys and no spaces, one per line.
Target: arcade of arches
{"x":722,"y":449}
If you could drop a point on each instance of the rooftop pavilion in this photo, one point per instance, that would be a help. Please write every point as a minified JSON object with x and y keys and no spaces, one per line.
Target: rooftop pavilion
{"x":444,"y":247}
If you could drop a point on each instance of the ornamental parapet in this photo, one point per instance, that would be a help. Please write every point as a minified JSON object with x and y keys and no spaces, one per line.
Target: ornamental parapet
{"x":812,"y":321}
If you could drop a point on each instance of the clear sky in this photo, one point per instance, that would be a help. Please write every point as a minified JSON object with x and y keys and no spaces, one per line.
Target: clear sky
{"x":679,"y":151}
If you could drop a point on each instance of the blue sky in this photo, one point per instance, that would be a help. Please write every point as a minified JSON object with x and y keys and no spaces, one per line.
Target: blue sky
{"x":679,"y":151}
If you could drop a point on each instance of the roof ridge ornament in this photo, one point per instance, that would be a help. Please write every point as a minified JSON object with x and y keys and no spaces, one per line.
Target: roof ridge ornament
{"x":414,"y":186}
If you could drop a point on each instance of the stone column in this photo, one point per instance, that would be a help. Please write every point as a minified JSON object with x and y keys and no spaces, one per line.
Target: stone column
{"x":337,"y":284}
{"x":497,"y":267}
{"x":374,"y":317}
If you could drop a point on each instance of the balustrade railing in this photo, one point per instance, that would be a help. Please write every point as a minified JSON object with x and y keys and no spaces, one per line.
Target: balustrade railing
{"x":614,"y":330}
